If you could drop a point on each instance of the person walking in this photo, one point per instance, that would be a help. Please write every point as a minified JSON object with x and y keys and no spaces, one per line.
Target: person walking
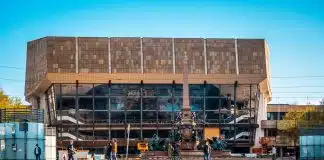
{"x":207,"y":151}
{"x":114,"y":150}
{"x":37,"y":152}
{"x":274,"y":152}
{"x":108,"y":151}
{"x":71,"y":151}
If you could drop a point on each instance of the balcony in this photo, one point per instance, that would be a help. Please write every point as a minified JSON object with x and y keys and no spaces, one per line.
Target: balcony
{"x":268,"y":124}
{"x":277,"y":141}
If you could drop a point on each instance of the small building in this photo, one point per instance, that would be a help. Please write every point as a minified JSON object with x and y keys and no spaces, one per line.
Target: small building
{"x":273,"y":134}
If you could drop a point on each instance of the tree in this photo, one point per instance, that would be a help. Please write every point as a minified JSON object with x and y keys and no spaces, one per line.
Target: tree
{"x":289,"y":124}
{"x":10,"y":102}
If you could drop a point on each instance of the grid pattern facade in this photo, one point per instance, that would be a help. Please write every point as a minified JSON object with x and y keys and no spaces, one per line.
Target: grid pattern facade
{"x":125,"y":55}
{"x":221,"y":56}
{"x":194,"y":48}
{"x":93,"y":55}
{"x":147,"y":55}
{"x":251,"y":56}
{"x":158,"y":55}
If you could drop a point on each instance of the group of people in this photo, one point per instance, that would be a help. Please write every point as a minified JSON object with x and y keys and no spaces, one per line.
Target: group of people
{"x":111,"y":151}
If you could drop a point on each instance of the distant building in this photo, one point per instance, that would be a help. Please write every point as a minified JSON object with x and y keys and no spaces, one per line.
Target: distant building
{"x":275,"y":115}
{"x":92,"y":87}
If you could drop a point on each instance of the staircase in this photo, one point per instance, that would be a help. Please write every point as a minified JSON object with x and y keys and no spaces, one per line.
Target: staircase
{"x":240,"y":135}
{"x":238,"y":119}
{"x":69,"y":118}
{"x":69,"y":135}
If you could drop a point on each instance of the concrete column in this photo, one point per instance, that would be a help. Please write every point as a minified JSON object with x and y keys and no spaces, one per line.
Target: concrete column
{"x":43,"y":106}
{"x":262,"y":115}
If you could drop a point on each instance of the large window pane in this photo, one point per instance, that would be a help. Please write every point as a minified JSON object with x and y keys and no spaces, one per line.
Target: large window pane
{"x":85,"y":103}
{"x":148,"y":133}
{"x":212,"y":117}
{"x":117,"y":103}
{"x":165,"y":117}
{"x":101,"y":89}
{"x":101,"y":116}
{"x":150,"y":103}
{"x":197,"y":104}
{"x":101,"y":104}
{"x":85,"y":89}
{"x":117,"y":117}
{"x":149,"y":116}
{"x":133,"y":116}
{"x":68,"y":89}
{"x":67,"y":103}
{"x":196,"y":90}
{"x":85,"y":117}
{"x":132,"y":103}
{"x":165,"y":103}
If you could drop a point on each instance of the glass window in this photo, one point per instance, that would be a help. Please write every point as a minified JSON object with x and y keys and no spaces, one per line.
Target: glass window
{"x":148,"y":133}
{"x":135,"y":134}
{"x":165,"y":117}
{"x":85,"y":89}
{"x":85,"y":116}
{"x":101,"y":103}
{"x":317,"y":140}
{"x":150,"y":103}
{"x":303,"y":151}
{"x":212,"y":117}
{"x":68,"y":89}
{"x":118,"y":90}
{"x":117,"y":134}
{"x":67,"y":103}
{"x":196,"y":90}
{"x":317,"y":153}
{"x":101,"y":116}
{"x":101,"y":89}
{"x":310,"y":151}
{"x":310,"y":140}
{"x":149,"y":116}
{"x":213,"y":103}
{"x":132,"y":103}
{"x":197,"y":104}
{"x":117,"y":116}
{"x":213,"y":90}
{"x":117,"y":103}
{"x":85,"y":103}
{"x":133,"y":117}
{"x":165,"y":104}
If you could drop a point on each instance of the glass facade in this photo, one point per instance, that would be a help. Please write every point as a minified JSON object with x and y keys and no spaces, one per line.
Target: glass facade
{"x":102,"y":111}
{"x":311,"y":147}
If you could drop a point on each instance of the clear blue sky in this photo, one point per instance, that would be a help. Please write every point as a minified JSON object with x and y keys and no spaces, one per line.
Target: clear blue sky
{"x":294,"y":30}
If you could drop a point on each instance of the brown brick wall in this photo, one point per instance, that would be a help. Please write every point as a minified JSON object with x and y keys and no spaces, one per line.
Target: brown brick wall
{"x":125,"y":55}
{"x":251,"y":56}
{"x":61,"y":54}
{"x":93,"y":55}
{"x":158,"y":55}
{"x":36,"y":63}
{"x":220,"y":55}
{"x":194,"y":48}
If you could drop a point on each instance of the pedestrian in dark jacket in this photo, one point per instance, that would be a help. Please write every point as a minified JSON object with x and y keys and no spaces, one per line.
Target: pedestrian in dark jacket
{"x":37,"y":152}
{"x":108,"y":151}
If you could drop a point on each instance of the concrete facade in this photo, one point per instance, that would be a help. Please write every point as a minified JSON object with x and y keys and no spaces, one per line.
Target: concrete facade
{"x":119,"y":60}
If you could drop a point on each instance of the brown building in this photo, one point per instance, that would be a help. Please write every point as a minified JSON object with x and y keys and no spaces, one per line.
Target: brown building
{"x":91,"y":87}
